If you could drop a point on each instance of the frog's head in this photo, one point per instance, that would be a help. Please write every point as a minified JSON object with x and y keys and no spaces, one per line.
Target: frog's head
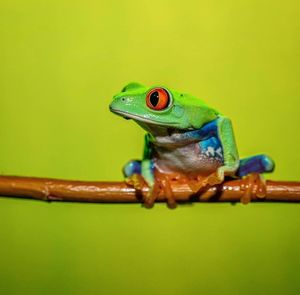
{"x":159,"y":106}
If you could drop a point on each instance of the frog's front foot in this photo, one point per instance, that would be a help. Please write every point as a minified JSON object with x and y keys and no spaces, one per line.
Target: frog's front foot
{"x":151,"y":196}
{"x":200,"y":183}
{"x":137,"y":181}
{"x":254,"y":185}
{"x":165,"y":184}
{"x":219,"y":175}
{"x":162,"y":185}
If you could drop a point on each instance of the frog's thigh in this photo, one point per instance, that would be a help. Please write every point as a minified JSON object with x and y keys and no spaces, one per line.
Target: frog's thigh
{"x":132,"y":167}
{"x":255,"y":164}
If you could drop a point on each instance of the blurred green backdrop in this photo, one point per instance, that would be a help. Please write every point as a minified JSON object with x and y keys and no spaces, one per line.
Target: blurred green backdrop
{"x":61,"y":62}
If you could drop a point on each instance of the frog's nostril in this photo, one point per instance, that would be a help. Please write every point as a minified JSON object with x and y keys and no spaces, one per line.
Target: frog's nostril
{"x":123,"y":99}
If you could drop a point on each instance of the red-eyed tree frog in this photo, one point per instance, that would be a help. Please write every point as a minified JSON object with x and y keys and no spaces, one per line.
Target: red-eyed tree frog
{"x":186,"y":138}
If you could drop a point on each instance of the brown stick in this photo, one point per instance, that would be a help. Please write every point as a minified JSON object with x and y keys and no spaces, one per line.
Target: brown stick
{"x":119,"y":192}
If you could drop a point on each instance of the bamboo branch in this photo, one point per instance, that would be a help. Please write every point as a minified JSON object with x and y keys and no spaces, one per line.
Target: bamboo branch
{"x":119,"y":192}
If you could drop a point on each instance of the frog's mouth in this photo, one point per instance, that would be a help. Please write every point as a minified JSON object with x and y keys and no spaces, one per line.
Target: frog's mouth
{"x":138,"y":118}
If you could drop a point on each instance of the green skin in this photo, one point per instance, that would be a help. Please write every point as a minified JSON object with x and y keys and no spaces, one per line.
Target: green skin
{"x":185,"y":113}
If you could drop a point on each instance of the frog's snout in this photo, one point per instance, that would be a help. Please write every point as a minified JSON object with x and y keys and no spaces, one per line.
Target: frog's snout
{"x":120,"y":103}
{"x":111,"y":107}
{"x":116,"y":107}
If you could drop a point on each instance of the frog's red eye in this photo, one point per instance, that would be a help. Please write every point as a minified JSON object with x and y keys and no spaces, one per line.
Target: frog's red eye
{"x":158,"y":99}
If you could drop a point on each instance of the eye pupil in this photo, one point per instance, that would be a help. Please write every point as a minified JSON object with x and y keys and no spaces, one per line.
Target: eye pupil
{"x":158,"y":99}
{"x":154,"y":98}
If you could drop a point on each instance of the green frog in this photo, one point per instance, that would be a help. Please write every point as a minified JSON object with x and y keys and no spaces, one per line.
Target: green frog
{"x":186,"y":139}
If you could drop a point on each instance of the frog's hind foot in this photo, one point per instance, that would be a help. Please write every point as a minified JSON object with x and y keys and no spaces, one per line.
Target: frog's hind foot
{"x":167,"y":189}
{"x":254,"y":186}
{"x":136,"y":180}
{"x":163,"y":184}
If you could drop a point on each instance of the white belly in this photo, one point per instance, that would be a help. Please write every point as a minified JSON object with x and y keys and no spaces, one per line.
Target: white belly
{"x":187,"y":159}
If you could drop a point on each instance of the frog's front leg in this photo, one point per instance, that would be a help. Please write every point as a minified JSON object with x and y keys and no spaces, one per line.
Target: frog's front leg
{"x":230,"y":153}
{"x":132,"y":172}
{"x":138,"y":174}
{"x":147,"y":171}
{"x":141,"y":173}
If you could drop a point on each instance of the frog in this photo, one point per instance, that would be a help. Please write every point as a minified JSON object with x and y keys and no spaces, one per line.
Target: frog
{"x":186,"y":140}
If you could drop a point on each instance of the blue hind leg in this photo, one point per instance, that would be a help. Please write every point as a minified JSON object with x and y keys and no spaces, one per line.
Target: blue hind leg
{"x":255,"y":164}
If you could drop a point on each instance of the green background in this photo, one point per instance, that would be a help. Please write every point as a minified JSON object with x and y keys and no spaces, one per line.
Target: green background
{"x":61,"y":62}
